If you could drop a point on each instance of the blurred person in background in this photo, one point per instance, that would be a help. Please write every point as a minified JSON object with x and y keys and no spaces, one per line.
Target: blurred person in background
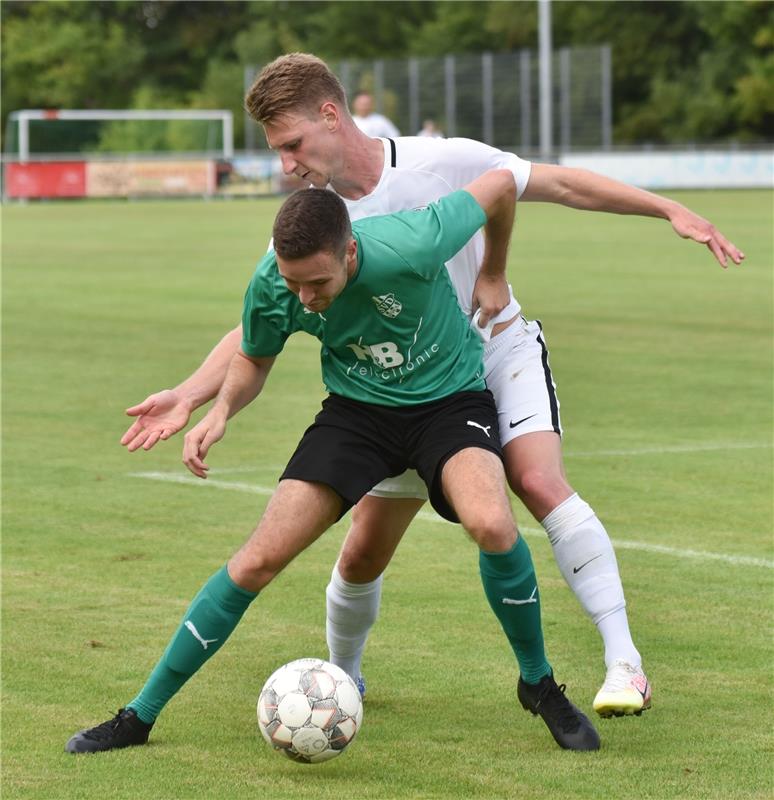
{"x":429,"y":128}
{"x":371,"y":123}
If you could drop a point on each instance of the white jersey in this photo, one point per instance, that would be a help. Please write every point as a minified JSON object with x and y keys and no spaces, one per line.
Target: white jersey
{"x":420,"y":170}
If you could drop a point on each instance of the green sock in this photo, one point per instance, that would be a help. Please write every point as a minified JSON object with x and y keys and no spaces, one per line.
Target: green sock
{"x":510,"y":586}
{"x":210,"y":618}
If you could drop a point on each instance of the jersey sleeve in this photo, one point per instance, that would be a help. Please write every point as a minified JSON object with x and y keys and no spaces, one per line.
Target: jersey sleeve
{"x":461,"y":161}
{"x":268,"y":316}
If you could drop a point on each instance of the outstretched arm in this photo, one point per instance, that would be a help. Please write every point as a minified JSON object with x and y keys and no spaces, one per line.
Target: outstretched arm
{"x":495,"y":192}
{"x":243,"y":382}
{"x":580,"y":188}
{"x":164,"y":413}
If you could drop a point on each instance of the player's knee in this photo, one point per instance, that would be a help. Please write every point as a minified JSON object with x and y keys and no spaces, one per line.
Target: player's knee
{"x":493,"y":532}
{"x":254,"y":572}
{"x":538,"y":487}
{"x":361,"y":560}
{"x":358,"y":565}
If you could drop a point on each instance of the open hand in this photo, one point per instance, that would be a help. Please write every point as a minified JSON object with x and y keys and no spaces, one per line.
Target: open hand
{"x":159,"y":416}
{"x":692,"y":226}
{"x":198,"y":441}
{"x":491,"y":295}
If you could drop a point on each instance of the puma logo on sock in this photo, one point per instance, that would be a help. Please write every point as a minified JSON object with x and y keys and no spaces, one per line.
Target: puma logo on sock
{"x":531,"y":599}
{"x":191,"y":627}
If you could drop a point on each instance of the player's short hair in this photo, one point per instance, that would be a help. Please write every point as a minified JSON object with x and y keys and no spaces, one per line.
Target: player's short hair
{"x":296,"y":82}
{"x":311,"y":221}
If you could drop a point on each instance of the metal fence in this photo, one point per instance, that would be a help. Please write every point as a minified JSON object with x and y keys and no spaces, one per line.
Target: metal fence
{"x":492,"y":97}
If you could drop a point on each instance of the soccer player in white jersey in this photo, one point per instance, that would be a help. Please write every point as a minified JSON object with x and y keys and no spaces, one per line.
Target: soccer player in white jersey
{"x":317,"y":140}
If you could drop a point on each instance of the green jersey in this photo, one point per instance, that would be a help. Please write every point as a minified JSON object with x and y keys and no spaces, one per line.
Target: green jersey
{"x":395,"y":335}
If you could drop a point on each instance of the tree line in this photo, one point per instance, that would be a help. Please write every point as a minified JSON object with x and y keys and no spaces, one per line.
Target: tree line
{"x":690,"y":71}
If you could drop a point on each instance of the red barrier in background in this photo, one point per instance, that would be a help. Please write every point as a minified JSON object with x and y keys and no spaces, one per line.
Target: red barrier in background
{"x":50,"y":179}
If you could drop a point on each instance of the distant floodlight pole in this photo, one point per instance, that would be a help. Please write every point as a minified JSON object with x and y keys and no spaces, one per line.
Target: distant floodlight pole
{"x":546,"y":88}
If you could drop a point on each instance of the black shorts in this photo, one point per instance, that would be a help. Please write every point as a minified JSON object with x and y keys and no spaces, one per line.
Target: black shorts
{"x":352,"y":446}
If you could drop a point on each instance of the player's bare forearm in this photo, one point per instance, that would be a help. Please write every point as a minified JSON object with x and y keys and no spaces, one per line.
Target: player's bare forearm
{"x":495,"y":192}
{"x":203,"y":384}
{"x":243,"y":382}
{"x":586,"y":190}
{"x":497,"y":237}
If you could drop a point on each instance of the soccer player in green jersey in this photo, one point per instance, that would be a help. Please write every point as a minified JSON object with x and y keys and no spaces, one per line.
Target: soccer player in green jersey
{"x":404,"y":372}
{"x":302,"y":107}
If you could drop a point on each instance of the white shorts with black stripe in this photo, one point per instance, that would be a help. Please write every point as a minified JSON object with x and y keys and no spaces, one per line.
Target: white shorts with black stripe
{"x":519,"y":376}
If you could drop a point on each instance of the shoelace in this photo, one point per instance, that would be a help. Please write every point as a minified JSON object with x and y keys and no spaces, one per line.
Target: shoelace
{"x":620,"y":678}
{"x":552,"y":695}
{"x":102,"y":732}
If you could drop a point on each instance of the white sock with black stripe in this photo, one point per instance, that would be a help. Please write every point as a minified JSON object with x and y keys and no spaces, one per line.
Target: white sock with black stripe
{"x":586,"y":559}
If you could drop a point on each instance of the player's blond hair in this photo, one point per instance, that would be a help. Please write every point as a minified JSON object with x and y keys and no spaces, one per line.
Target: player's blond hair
{"x":296,"y":82}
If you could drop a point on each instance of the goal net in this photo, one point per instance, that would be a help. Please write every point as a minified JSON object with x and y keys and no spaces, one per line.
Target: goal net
{"x":38,"y":134}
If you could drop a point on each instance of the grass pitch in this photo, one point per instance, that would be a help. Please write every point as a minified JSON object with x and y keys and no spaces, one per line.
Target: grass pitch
{"x":663,"y":364}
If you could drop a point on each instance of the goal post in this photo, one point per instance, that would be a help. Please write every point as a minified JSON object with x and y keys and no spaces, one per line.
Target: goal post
{"x":23,"y":118}
{"x":99,"y":153}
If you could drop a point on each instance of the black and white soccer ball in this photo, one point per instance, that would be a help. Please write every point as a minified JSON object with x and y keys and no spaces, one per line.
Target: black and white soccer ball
{"x":310,"y":710}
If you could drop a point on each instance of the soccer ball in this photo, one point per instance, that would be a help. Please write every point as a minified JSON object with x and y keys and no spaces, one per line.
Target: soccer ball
{"x":310,"y":710}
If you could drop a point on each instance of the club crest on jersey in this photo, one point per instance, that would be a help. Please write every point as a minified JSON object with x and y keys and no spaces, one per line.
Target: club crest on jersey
{"x":387,"y":305}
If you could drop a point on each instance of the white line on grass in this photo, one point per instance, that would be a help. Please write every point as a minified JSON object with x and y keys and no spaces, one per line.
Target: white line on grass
{"x":272,"y":468}
{"x":190,"y":480}
{"x":623,"y":544}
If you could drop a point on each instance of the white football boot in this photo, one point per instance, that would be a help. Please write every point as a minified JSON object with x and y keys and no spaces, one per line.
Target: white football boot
{"x":626,"y":690}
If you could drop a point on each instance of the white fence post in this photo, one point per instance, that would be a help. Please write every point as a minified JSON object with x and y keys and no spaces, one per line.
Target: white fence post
{"x":606,"y":55}
{"x":546,"y":83}
{"x":565,"y":98}
{"x":486,"y":98}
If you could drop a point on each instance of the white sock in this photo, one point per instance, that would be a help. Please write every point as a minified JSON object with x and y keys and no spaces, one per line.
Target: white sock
{"x":352,"y":609}
{"x":587,"y":561}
